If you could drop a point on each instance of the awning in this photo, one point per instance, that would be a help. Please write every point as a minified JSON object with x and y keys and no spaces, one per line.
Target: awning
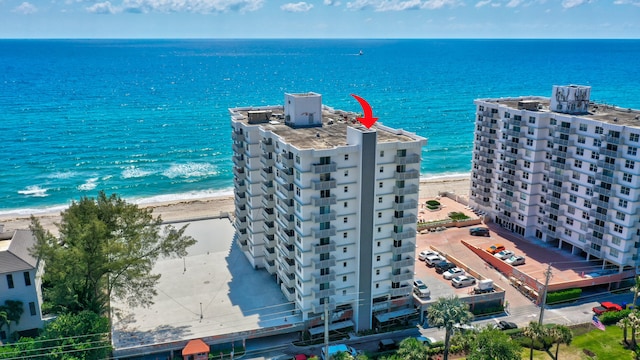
{"x":395,"y":314}
{"x":335,"y":326}
{"x":196,"y":346}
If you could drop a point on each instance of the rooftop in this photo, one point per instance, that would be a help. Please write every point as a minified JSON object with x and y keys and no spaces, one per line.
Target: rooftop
{"x":331,"y":134}
{"x":14,"y":251}
{"x":598,"y":112}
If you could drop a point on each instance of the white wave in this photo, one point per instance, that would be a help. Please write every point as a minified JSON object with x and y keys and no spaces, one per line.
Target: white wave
{"x":134,"y":172}
{"x":34,"y":191}
{"x":90,"y":184}
{"x":52,"y":210}
{"x":192,"y":195}
{"x":62,"y":175}
{"x":446,"y":176}
{"x":190,"y":169}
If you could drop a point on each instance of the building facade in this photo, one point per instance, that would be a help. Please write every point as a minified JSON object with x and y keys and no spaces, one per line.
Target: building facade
{"x":20,"y":280}
{"x":327,"y":206}
{"x":563,"y":170}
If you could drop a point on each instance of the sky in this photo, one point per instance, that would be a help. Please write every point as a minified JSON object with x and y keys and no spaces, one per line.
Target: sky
{"x":564,"y":19}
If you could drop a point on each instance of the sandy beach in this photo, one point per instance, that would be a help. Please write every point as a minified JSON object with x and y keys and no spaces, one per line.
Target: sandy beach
{"x":212,"y":207}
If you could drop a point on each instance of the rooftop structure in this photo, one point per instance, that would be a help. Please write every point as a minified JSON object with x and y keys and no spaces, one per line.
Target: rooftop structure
{"x":328,"y":208}
{"x":562,"y":170}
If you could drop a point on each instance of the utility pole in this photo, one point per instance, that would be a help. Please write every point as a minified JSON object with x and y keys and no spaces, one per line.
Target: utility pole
{"x":326,"y":328}
{"x":548,"y":275}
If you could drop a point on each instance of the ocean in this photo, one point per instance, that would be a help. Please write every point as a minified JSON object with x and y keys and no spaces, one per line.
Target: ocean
{"x":148,"y":119}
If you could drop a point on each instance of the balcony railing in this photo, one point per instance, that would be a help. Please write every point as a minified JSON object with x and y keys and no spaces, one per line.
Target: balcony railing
{"x":317,"y":233}
{"x":321,"y":249}
{"x":324,"y":168}
{"x":323,"y":293}
{"x":407,"y":190}
{"x":239,"y":161}
{"x":267,"y":159}
{"x":267,"y":186}
{"x":320,"y":308}
{"x":405,"y":290}
{"x":408,"y":219}
{"x":268,"y":214}
{"x":269,"y":254}
{"x":286,"y":238}
{"x":268,"y":201}
{"x":318,"y":201}
{"x":402,"y":277}
{"x":409,"y":174}
{"x":409,"y":159}
{"x":407,"y":234}
{"x":237,"y":136}
{"x":318,"y":218}
{"x":322,"y":264}
{"x":286,"y":161}
{"x":319,"y":279}
{"x":407,"y":205}
{"x":324,"y":185}
{"x":406,"y":247}
{"x":396,"y":264}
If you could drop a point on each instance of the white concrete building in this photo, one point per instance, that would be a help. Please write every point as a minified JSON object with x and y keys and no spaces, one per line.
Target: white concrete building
{"x":20,"y":279}
{"x":563,"y":170}
{"x":328,"y":207}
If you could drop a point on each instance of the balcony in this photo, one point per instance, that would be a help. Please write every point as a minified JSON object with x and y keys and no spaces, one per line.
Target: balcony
{"x":323,"y":264}
{"x":287,"y":236}
{"x":610,"y":153}
{"x":289,"y":292}
{"x":318,"y":218}
{"x":566,"y":130}
{"x":288,"y":266}
{"x":284,"y":207}
{"x":237,"y":136}
{"x":407,"y":205}
{"x":241,"y":211}
{"x":318,"y":233}
{"x":401,"y":291}
{"x":237,"y":148}
{"x":407,"y":190}
{"x":407,"y":247}
{"x":240,"y":186}
{"x":324,"y":185}
{"x":406,"y":175}
{"x":320,"y":308}
{"x":268,"y":227}
{"x":267,"y":159}
{"x":408,"y":219}
{"x":285,"y":176}
{"x":606,"y":165}
{"x":555,"y":188}
{"x":287,"y":251}
{"x":318,"y":201}
{"x":409,"y":159}
{"x":324,"y":168}
{"x":558,"y":176}
{"x":286,"y":191}
{"x":289,"y":280}
{"x":267,"y":187}
{"x":268,"y":201}
{"x":317,"y":293}
{"x":268,"y":214}
{"x":320,"y":279}
{"x":285,"y":222}
{"x":238,"y":160}
{"x":322,"y":249}
{"x":407,"y":234}
{"x":269,"y":254}
{"x":597,"y":202}
{"x":559,"y":165}
{"x":270,"y":266}
{"x":286,"y":161}
{"x":244,"y":245}
{"x":267,"y":146}
{"x":402,"y":277}
{"x":602,"y":191}
{"x":604,"y":177}
{"x":239,"y":173}
{"x":611,"y":139}
{"x":397,"y":264}
{"x":267,"y":174}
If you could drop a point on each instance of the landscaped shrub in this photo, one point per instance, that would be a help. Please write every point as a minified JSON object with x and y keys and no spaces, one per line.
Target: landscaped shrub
{"x":612,"y":317}
{"x":433,"y":203}
{"x":537,"y":344}
{"x":458,"y":216}
{"x":563,"y":295}
{"x":487,"y":310}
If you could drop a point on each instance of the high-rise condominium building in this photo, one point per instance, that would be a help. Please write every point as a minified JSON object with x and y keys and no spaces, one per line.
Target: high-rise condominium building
{"x":327,"y":206}
{"x":564,"y":170}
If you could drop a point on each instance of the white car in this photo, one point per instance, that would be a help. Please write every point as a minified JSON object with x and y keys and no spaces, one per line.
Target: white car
{"x":424,"y":253}
{"x":451,"y":273}
{"x":432,"y":260}
{"x":421,"y":289}
{"x":462,"y":281}
{"x":504,"y":254}
{"x":515,"y":260}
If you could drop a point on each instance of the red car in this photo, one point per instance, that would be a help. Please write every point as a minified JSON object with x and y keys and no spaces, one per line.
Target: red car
{"x":606,"y":306}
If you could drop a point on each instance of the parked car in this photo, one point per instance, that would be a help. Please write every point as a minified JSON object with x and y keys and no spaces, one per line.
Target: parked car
{"x":425,"y":340}
{"x":451,"y":273}
{"x":506,"y":325}
{"x":424,"y":253}
{"x":432,"y":260}
{"x":504,"y":254}
{"x":479,"y":231}
{"x":421,"y":289}
{"x":443,"y":266}
{"x":515,"y":260}
{"x":462,"y":281}
{"x":495,"y":248}
{"x":606,"y":306}
{"x":386,"y":345}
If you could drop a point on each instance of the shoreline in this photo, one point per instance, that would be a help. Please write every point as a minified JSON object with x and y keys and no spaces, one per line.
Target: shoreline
{"x":208,"y":206}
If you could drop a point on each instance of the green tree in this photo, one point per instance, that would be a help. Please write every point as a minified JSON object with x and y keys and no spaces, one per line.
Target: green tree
{"x":342,"y":355}
{"x":624,"y":323}
{"x":535,"y":332}
{"x":412,"y":349}
{"x":446,"y":313}
{"x":492,"y":344}
{"x":106,"y":247}
{"x":20,"y":349}
{"x":85,"y":336}
{"x":561,"y":335}
{"x":12,"y":310}
{"x":634,"y":323}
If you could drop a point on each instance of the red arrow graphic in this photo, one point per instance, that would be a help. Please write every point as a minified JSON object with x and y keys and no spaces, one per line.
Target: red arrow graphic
{"x":368,"y":120}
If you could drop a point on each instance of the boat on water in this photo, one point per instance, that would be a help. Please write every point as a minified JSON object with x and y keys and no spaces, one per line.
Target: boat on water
{"x":360,"y":53}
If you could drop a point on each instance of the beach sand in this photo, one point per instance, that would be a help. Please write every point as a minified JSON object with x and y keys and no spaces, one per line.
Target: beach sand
{"x":184,"y":210}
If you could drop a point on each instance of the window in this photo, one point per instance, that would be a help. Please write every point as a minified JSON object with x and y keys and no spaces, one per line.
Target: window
{"x":627,"y":177}
{"x":344,"y":220}
{"x":622,"y":203}
{"x":380,"y":184}
{"x":567,"y":232}
{"x":344,"y":278}
{"x":569,"y":222}
{"x":345,"y":204}
{"x":525,"y":175}
{"x":379,"y":215}
{"x":344,"y":235}
{"x":524,"y":186}
{"x":553,"y":121}
{"x":346,"y":189}
{"x":378,"y":258}
{"x":624,"y":190}
{"x":27,"y":278}
{"x":577,"y":163}
{"x":379,"y":199}
{"x":620,"y":216}
{"x":381,"y":169}
{"x":583,"y":127}
{"x":377,"y":286}
{"x":532,"y":120}
{"x":617,"y":228}
{"x":580,"y":151}
{"x":593,"y":167}
{"x":634,"y":137}
{"x":632,"y":151}
{"x":581,"y":139}
{"x":529,"y":142}
{"x":344,"y":264}
{"x":588,"y":192}
{"x":346,"y":157}
{"x":599,"y":130}
{"x":377,"y":271}
{"x":571,"y":210}
{"x":10,"y":281}
{"x":346,"y":173}
{"x":527,"y":164}
{"x":32,"y":308}
{"x":597,"y":142}
{"x":382,"y":153}
{"x":629,"y":164}
{"x":591,"y":180}
{"x":379,"y":230}
{"x":379,"y":243}
{"x":613,"y":252}
{"x":572,"y":198}
{"x":575,"y":187}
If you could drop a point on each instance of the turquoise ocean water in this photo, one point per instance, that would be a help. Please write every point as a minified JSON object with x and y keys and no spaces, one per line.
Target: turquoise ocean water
{"x":148,"y":119}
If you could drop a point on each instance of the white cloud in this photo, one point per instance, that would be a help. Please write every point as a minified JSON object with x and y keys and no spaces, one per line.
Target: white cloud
{"x":25,"y":8}
{"x":102,"y":8}
{"x":480,"y":4}
{"x":297,"y":7}
{"x":438,"y":4}
{"x":331,"y":2}
{"x":513,"y":3}
{"x":626,"y":2}
{"x":400,"y":5}
{"x":190,"y":6}
{"x":361,"y":4}
{"x":568,"y":4}
{"x":395,"y":5}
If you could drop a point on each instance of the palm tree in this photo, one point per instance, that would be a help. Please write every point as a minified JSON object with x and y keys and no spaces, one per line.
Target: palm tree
{"x":13,"y":310}
{"x":534,"y":331}
{"x":561,"y":335}
{"x":447,"y":312}
{"x":4,"y":319}
{"x":624,"y":323}
{"x":634,"y":322}
{"x":412,"y":349}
